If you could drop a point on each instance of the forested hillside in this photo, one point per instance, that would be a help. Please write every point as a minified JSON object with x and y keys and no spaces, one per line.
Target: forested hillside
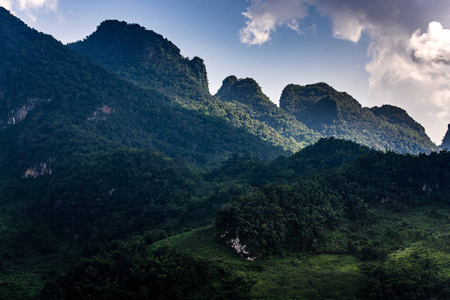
{"x":336,"y":220}
{"x":55,"y":102}
{"x":68,"y":128}
{"x":307,"y":113}
{"x":148,"y":60}
{"x":333,"y":113}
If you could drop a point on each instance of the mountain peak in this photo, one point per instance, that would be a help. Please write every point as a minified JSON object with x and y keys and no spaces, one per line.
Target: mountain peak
{"x":338,"y":114}
{"x":132,"y":37}
{"x":396,"y":115}
{"x":446,"y":140}
{"x":295,"y":97}
{"x":317,"y":104}
{"x":143,"y":57}
{"x":245,"y":90}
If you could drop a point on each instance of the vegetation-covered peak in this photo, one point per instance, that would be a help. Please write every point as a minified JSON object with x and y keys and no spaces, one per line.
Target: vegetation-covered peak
{"x":396,"y":115}
{"x":54,"y":102}
{"x":245,"y":90}
{"x":115,"y":32}
{"x":143,"y":57}
{"x":183,"y":80}
{"x":338,"y":114}
{"x":296,"y":98}
{"x":246,"y":95}
{"x":227,"y":84}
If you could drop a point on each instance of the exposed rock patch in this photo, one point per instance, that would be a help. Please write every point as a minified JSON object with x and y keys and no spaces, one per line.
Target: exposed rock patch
{"x":20,"y":113}
{"x":40,"y":169}
{"x":101,"y":113}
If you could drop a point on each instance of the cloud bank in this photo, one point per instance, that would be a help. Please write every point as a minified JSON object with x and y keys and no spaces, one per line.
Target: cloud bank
{"x":409,"y":50}
{"x":28,"y":6}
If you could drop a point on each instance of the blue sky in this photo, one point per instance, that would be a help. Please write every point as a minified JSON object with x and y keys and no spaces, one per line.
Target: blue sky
{"x":380,"y":52}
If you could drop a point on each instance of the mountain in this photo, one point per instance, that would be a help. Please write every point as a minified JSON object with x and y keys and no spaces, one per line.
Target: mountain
{"x":145,"y":58}
{"x":333,"y":113}
{"x":247,"y":96}
{"x":446,"y":140}
{"x":152,"y":62}
{"x":82,"y":152}
{"x":307,"y":113}
{"x":55,"y":102}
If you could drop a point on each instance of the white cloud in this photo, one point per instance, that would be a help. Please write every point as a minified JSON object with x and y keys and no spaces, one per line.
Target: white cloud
{"x":29,"y":6}
{"x":6,"y":4}
{"x":263,"y":17}
{"x":407,"y":68}
{"x":294,"y":25}
{"x":414,"y":73}
{"x":36,"y":4}
{"x":347,"y":27}
{"x":433,"y":45}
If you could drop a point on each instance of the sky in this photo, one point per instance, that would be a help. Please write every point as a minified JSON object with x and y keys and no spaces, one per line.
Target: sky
{"x":381,"y":52}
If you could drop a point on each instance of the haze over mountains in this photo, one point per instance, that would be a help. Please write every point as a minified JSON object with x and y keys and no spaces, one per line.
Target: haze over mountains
{"x":118,"y":137}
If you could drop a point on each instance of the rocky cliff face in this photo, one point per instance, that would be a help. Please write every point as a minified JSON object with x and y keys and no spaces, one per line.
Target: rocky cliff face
{"x":446,"y":140}
{"x":19,"y":113}
{"x":39,"y":169}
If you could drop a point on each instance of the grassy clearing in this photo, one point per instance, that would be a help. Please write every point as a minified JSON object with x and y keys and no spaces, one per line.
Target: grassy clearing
{"x":291,"y":276}
{"x":331,"y":276}
{"x":321,"y":276}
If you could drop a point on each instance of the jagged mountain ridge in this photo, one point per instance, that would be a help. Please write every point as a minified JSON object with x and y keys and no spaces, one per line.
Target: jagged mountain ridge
{"x":149,"y":60}
{"x":155,"y":62}
{"x":247,"y":96}
{"x":334,"y":113}
{"x":54,"y":102}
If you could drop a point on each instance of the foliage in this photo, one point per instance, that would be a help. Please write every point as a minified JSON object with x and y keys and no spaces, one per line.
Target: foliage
{"x":144,"y":57}
{"x":134,"y":270}
{"x":248,"y":97}
{"x":150,"y":61}
{"x":415,"y":276}
{"x":302,"y":212}
{"x":334,"y":113}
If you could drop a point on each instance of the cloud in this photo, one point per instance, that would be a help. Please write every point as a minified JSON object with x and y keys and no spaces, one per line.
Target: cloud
{"x":432,"y":46}
{"x":29,"y":6}
{"x":414,"y":73}
{"x":6,"y":4}
{"x":35,"y":4}
{"x":263,"y":17}
{"x":409,"y":49}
